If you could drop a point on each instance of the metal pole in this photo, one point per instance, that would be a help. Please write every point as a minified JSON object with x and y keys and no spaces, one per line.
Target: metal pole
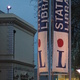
{"x":38,"y":74}
{"x":49,"y":40}
{"x":69,"y":39}
{"x":7,"y":10}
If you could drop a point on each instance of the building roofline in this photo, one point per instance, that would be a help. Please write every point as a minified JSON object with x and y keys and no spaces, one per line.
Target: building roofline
{"x":1,"y":12}
{"x":12,"y":18}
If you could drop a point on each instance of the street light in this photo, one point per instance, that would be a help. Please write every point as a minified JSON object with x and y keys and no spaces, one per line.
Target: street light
{"x":78,"y":70}
{"x":8,"y":8}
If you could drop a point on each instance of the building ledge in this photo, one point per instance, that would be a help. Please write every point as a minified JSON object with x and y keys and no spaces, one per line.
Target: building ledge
{"x":12,"y":18}
{"x":17,"y":62}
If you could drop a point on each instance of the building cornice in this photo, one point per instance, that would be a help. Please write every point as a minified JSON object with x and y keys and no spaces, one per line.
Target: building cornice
{"x":12,"y":18}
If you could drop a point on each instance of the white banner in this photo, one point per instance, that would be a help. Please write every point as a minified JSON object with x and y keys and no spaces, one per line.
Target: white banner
{"x":42,"y":52}
{"x":60,"y":36}
{"x":60,"y":52}
{"x":42,"y":35}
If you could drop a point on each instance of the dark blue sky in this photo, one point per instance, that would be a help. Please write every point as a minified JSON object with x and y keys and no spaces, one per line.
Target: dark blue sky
{"x":22,"y":8}
{"x":25,"y":10}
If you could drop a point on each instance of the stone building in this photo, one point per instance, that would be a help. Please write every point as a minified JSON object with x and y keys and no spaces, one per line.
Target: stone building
{"x":16,"y":48}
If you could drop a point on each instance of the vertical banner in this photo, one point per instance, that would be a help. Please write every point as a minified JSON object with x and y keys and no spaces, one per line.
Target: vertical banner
{"x":42,"y":35}
{"x":60,"y":36}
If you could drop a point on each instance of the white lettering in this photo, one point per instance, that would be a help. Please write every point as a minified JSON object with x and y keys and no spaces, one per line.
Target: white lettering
{"x":59,"y":0}
{"x":66,"y":8}
{"x":40,"y":1}
{"x":45,"y":0}
{"x":38,"y":26}
{"x":44,"y":7}
{"x":66,"y":1}
{"x":66,"y":29}
{"x":66,"y":22}
{"x":59,"y":12}
{"x":60,"y":25}
{"x":44,"y":14}
{"x":44,"y":20}
{"x":66,"y":16}
{"x":38,"y":13}
{"x":60,"y":6}
{"x":61,"y":19}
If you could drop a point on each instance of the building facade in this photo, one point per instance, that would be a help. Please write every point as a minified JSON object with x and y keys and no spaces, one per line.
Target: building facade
{"x":16,"y":48}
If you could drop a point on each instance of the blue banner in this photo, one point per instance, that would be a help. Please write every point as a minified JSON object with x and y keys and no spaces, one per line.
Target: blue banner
{"x":42,"y":35}
{"x":61,"y":15}
{"x":60,"y":36}
{"x":42,"y":15}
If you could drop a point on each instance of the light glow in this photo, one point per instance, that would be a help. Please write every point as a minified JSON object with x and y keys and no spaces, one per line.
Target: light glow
{"x":78,"y":70}
{"x":8,"y":7}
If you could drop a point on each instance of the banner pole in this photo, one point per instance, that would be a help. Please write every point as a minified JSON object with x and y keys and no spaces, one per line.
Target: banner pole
{"x":69,"y":39}
{"x":38,"y":74}
{"x":49,"y":56}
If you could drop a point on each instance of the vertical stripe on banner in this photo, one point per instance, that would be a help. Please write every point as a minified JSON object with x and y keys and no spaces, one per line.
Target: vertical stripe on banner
{"x":42,"y":35}
{"x":60,"y":38}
